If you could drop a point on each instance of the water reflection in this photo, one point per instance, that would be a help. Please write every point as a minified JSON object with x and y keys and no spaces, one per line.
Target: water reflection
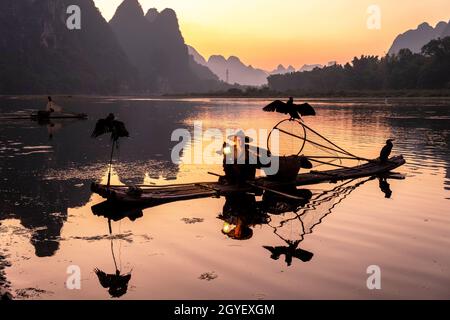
{"x":116,"y":283}
{"x":42,"y":181}
{"x":244,"y":211}
{"x":43,"y":173}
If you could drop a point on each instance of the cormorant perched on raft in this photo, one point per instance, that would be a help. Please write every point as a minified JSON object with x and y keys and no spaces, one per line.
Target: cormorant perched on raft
{"x":386,"y":151}
{"x":296,"y":111}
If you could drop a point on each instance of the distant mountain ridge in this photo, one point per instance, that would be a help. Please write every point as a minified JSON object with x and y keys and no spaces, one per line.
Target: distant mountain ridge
{"x":282,"y":70}
{"x":39,"y":54}
{"x":231,"y":70}
{"x":310,"y":67}
{"x":415,"y":39}
{"x":155,"y":46}
{"x":133,"y":54}
{"x":241,"y":74}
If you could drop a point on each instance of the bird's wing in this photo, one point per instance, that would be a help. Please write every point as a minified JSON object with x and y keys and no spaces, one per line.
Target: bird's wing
{"x":119,"y":130}
{"x":277,"y":105}
{"x":303,"y":255}
{"x":271,"y":249}
{"x":105,"y":280}
{"x":305,"y":109}
{"x":101,"y":128}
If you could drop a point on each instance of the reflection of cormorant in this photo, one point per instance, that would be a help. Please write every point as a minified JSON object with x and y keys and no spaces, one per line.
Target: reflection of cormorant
{"x":295,"y":111}
{"x":291,"y":251}
{"x":116,"y":283}
{"x":386,"y":151}
{"x":385,"y":187}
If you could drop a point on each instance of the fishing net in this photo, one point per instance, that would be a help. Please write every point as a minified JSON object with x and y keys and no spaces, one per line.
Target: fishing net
{"x":295,"y":138}
{"x":294,"y":226}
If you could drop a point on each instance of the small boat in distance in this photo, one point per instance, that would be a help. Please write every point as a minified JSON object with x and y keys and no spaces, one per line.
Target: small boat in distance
{"x":35,"y":116}
{"x":52,"y":111}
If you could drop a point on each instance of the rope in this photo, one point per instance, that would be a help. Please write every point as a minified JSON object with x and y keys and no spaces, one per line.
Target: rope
{"x":281,"y":130}
{"x":327,"y":140}
{"x":335,"y":165}
{"x":337,"y":149}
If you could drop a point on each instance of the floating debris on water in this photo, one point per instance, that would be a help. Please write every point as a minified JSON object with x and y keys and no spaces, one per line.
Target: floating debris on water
{"x":260,"y":296}
{"x":28,"y":293}
{"x":123,"y":236}
{"x":146,"y":237}
{"x":208,"y":276}
{"x":192,"y":220}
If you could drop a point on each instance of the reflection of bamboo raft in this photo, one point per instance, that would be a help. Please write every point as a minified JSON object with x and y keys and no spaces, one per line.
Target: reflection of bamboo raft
{"x":155,"y":195}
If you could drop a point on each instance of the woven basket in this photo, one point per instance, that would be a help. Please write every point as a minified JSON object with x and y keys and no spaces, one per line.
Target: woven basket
{"x":289,"y":167}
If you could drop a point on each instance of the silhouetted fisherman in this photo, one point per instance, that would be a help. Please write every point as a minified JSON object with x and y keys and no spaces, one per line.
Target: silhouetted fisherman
{"x":290,"y":252}
{"x":237,"y":160}
{"x":386,"y":151}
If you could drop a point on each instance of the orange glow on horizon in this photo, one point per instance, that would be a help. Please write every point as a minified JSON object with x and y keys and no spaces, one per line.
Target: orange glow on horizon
{"x":265,"y":33}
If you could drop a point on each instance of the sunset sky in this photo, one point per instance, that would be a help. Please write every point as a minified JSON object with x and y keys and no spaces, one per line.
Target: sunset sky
{"x":265,"y":33}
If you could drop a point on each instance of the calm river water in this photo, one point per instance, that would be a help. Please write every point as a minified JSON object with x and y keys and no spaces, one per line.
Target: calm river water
{"x":178,"y":250}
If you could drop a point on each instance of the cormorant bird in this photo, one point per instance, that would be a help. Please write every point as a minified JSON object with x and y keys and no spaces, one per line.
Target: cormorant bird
{"x":290,"y":252}
{"x":117,"y":130}
{"x":116,"y":284}
{"x":296,"y":111}
{"x":110,"y":125}
{"x":386,"y":151}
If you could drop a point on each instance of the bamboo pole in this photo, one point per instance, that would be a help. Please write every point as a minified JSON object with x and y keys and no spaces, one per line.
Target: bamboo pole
{"x":110,"y":163}
{"x":275,"y":191}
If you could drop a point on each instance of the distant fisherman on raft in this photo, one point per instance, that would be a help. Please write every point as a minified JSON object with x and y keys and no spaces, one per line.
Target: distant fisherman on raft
{"x":49,"y":109}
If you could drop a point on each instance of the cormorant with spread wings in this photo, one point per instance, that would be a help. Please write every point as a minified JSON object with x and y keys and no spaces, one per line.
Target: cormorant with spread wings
{"x":296,"y":111}
{"x":110,"y":125}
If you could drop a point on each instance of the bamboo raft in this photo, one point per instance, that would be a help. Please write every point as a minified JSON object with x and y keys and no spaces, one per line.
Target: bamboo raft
{"x":35,"y":116}
{"x":156,"y":195}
